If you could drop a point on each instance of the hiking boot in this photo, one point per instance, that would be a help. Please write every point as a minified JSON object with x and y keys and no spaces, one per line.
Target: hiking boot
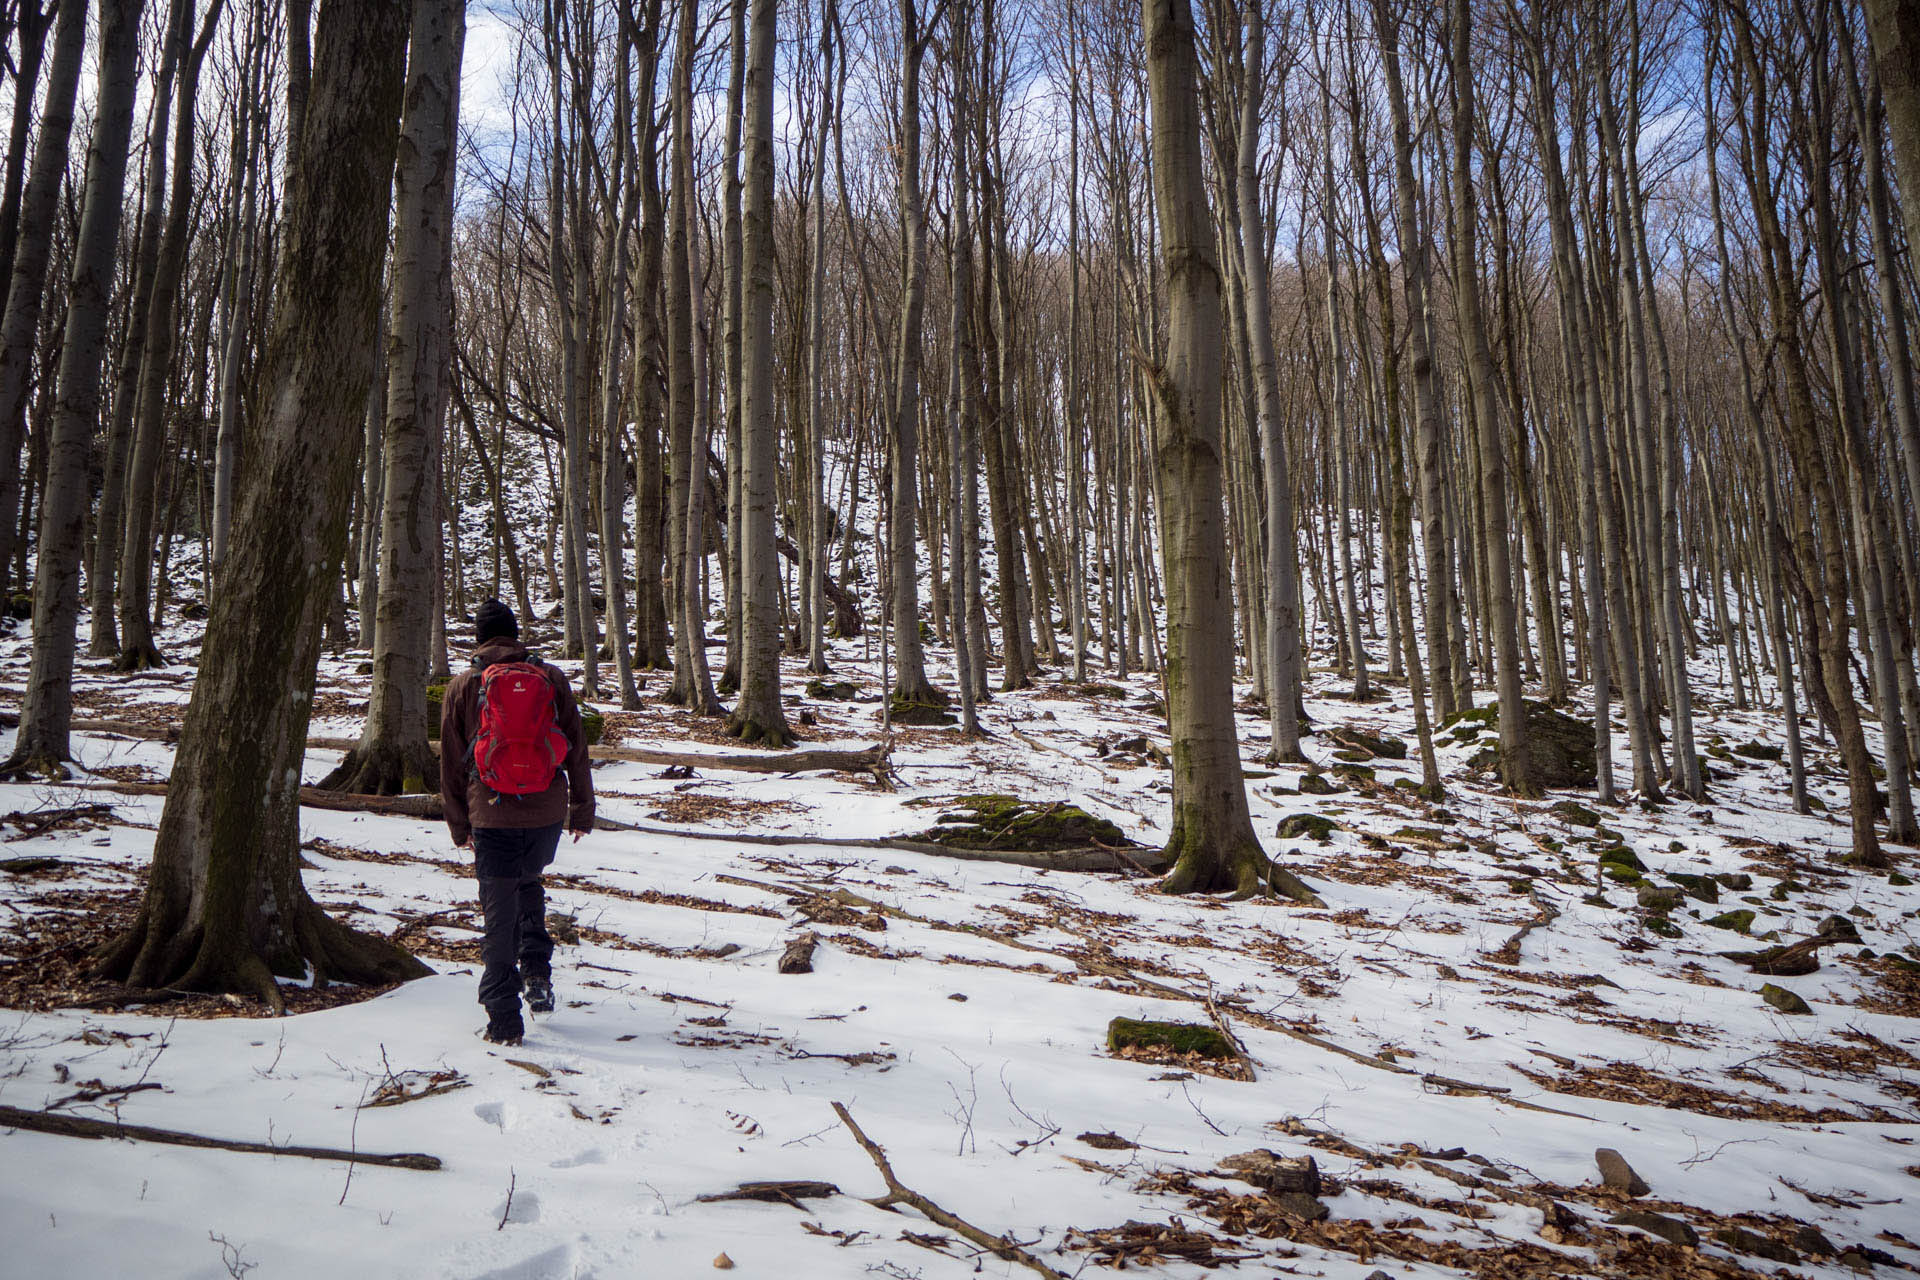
{"x":507,"y":1030}
{"x":539,"y":991}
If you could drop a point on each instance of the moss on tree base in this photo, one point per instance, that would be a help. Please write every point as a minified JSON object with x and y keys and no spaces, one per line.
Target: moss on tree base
{"x":385,"y":769}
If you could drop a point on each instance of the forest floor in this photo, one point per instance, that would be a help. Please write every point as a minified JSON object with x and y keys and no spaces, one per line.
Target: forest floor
{"x":1451,"y":1075}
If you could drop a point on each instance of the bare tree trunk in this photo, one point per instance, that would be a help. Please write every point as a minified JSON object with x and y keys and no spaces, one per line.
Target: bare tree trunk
{"x":31,"y":252}
{"x":1212,"y":845}
{"x":758,"y":716}
{"x":47,"y":710}
{"x":911,"y":689}
{"x":393,"y":757}
{"x":732,"y":253}
{"x":1894,"y":26}
{"x":692,"y":684}
{"x":30,"y":22}
{"x":225,"y":909}
{"x":137,"y":650}
{"x":962,"y":374}
{"x":815,"y":525}
{"x":1442,"y":598}
{"x":613,"y":482}
{"x":237,"y":306}
{"x":1281,"y":556}
{"x":1496,"y":541}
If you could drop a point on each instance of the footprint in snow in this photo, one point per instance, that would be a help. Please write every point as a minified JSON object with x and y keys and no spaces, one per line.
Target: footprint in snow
{"x":524,"y":1209}
{"x":592,"y":1155}
{"x":559,"y":1263}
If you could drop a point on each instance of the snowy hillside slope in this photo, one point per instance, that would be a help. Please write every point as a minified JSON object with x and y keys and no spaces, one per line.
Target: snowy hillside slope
{"x":1451,"y":1076}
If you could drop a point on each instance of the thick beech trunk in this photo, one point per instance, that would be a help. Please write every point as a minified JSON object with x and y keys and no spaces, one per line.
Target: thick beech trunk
{"x":225,"y":909}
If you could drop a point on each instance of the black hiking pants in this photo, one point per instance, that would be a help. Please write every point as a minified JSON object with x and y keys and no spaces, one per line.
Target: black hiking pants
{"x":508,"y":861}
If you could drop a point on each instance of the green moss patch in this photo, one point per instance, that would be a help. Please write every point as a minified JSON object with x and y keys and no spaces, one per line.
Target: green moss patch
{"x":436,"y":694}
{"x":1182,"y":1044}
{"x":1740,"y":921}
{"x":1574,"y":813}
{"x":832,"y":690}
{"x":1005,"y":822}
{"x":1306,"y":826}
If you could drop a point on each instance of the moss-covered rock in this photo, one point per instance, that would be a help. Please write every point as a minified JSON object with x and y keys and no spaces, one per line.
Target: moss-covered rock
{"x":1374,"y":744}
{"x":1703,"y":888}
{"x":1352,"y":755}
{"x":1574,"y":813}
{"x":1738,"y":881}
{"x":1318,"y":784}
{"x":1171,"y":1037}
{"x":1783,"y":1000}
{"x":1620,"y":856}
{"x":1005,"y":822}
{"x":1357,"y":773}
{"x":1306,"y":826}
{"x":1740,"y":921}
{"x":832,"y":690}
{"x":1559,"y":747}
{"x":1657,"y":898}
{"x":20,"y":607}
{"x":1662,"y":926}
{"x":592,"y":724}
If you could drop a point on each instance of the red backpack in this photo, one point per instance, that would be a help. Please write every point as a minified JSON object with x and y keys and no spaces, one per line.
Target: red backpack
{"x":519,"y":746}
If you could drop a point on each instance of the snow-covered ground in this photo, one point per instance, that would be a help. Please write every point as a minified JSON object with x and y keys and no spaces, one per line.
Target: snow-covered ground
{"x":1453,"y":1099}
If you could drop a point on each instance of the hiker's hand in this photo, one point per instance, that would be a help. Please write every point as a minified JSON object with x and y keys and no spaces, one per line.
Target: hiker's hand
{"x":464,"y":844}
{"x":577,"y":835}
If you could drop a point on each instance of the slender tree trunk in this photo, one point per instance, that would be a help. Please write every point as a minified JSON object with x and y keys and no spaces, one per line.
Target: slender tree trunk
{"x":692,"y":684}
{"x":911,"y":688}
{"x":137,"y":650}
{"x":1281,"y":555}
{"x":758,"y":716}
{"x":47,"y":711}
{"x":1212,"y":845}
{"x":31,"y":252}
{"x":393,"y":757}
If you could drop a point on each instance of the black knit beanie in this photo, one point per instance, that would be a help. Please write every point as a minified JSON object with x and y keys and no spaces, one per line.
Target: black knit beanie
{"x":494,"y":619}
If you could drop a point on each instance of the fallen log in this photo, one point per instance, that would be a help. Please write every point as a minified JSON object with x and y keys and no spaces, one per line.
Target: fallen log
{"x":798,"y":957}
{"x":413,"y":806}
{"x":790,"y":1192}
{"x":866,"y":760}
{"x":125,"y":728}
{"x":81,"y":1127}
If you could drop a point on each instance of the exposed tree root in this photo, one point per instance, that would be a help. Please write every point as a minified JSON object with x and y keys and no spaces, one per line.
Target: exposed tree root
{"x":34,"y":766}
{"x":185,"y":955}
{"x":70,"y":1126}
{"x":776,"y":735}
{"x":1199,"y":866}
{"x":377,"y":767}
{"x":139,"y":657}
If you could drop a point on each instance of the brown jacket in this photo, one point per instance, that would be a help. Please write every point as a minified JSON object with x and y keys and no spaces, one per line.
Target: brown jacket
{"x":469,"y":802}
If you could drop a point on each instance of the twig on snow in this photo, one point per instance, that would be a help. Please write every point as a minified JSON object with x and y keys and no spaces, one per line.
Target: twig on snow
{"x":999,"y":1246}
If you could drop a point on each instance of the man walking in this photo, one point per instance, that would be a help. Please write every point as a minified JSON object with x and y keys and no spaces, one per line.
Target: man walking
{"x":513,"y":771}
